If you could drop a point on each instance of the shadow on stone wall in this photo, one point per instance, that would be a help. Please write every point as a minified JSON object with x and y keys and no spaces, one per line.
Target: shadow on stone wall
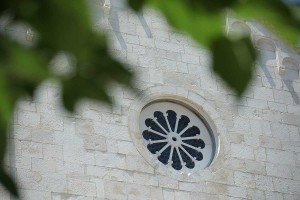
{"x":267,"y":59}
{"x":115,"y":8}
{"x":114,"y":21}
{"x":144,"y":24}
{"x":291,"y":74}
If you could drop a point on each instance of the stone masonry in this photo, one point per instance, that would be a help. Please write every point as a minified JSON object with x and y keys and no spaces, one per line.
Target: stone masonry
{"x":55,"y":155}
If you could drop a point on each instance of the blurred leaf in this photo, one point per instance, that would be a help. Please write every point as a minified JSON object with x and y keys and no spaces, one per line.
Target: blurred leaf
{"x":136,"y":5}
{"x":22,"y":70}
{"x":3,"y":144}
{"x":96,"y":69}
{"x":8,"y":183}
{"x":203,"y":20}
{"x":27,"y":64}
{"x":275,"y":15}
{"x":296,"y":11}
{"x":103,"y":68}
{"x":61,"y":25}
{"x":6,"y":100}
{"x":233,"y":61}
{"x":78,"y":88}
{"x":212,"y":5}
{"x":202,"y":25}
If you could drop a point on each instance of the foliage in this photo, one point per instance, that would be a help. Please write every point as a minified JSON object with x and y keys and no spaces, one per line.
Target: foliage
{"x":203,"y":20}
{"x":64,"y":26}
{"x":61,"y":26}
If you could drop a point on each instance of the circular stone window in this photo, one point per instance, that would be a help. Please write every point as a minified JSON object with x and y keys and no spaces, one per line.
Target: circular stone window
{"x":177,"y":136}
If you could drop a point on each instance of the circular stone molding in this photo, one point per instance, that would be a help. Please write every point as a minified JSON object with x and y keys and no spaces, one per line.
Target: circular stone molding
{"x":176,"y":135}
{"x":172,"y":131}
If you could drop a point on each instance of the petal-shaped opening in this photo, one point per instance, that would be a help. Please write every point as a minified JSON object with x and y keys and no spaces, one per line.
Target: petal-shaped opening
{"x":190,"y":165}
{"x":172,"y":116}
{"x":153,"y":148}
{"x":164,"y":157}
{"x":161,"y":119}
{"x":193,"y":131}
{"x":176,"y":162}
{"x":153,"y":136}
{"x":195,"y":142}
{"x":183,"y":122}
{"x":150,"y":123}
{"x":195,"y":154}
{"x":189,"y":162}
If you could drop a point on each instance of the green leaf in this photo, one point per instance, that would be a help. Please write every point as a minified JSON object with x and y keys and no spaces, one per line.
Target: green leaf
{"x":136,"y":5}
{"x":77,"y":88}
{"x":28,"y":64}
{"x":202,"y":25}
{"x":211,"y":6}
{"x":8,"y":182}
{"x":233,"y":61}
{"x":61,"y":25}
{"x":6,"y":99}
{"x":275,"y":15}
{"x":22,"y":69}
{"x":3,"y":140}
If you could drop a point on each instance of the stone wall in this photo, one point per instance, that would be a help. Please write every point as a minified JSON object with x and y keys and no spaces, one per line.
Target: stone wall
{"x":91,"y":155}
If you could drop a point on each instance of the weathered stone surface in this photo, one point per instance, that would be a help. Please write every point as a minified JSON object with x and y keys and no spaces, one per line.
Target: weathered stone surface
{"x":246,"y":180}
{"x":110,"y":160}
{"x":93,"y":155}
{"x":242,"y":151}
{"x":32,"y":149}
{"x":82,"y":187}
{"x":115,"y":190}
{"x":280,"y":157}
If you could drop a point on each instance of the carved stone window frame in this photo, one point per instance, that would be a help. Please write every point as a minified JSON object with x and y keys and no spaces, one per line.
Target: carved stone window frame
{"x":194,"y":102}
